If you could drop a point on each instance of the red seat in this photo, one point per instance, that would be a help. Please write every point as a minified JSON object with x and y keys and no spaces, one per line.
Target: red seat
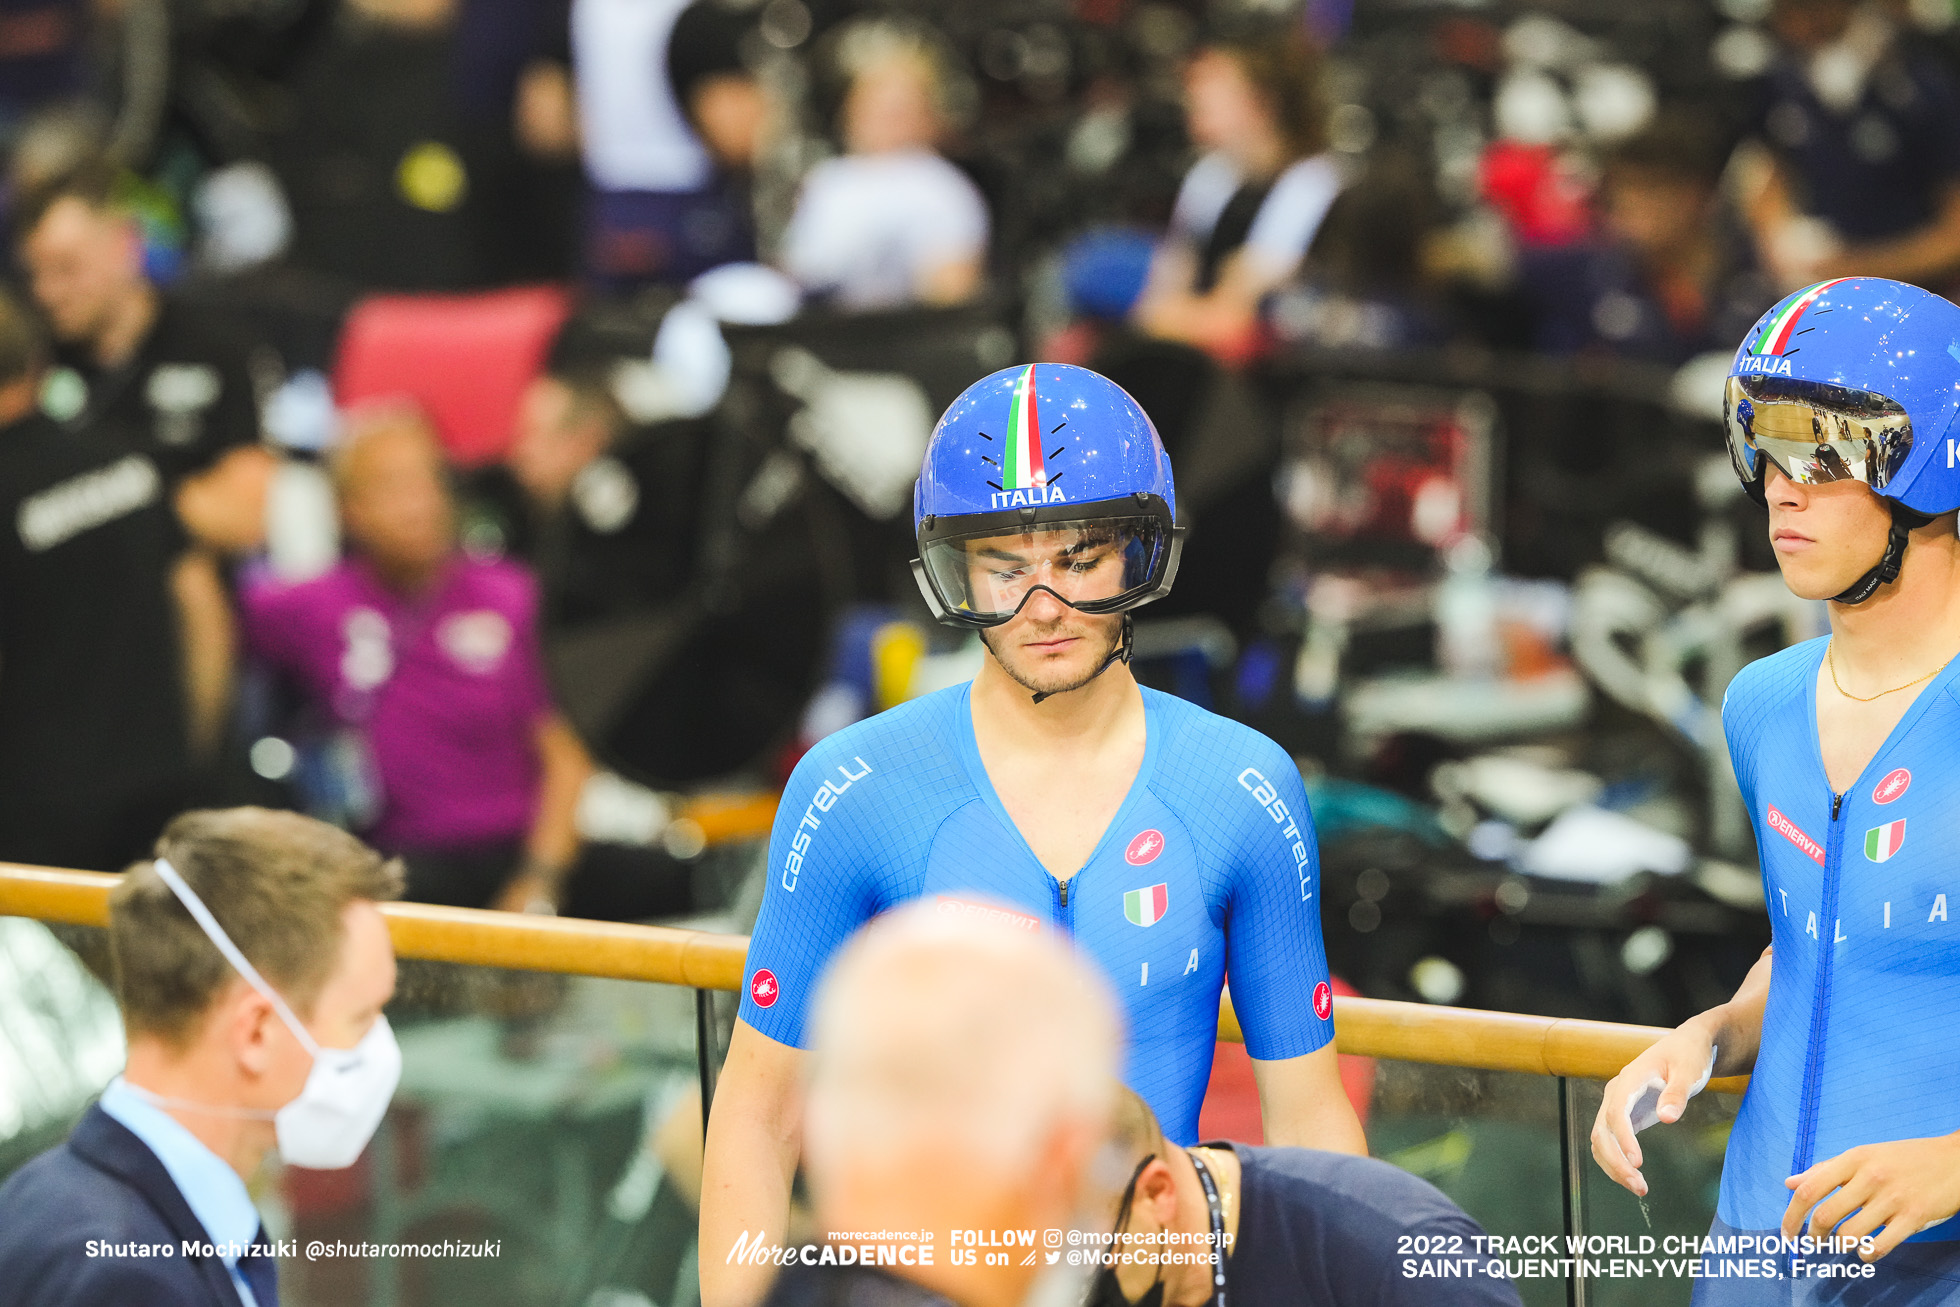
{"x":465,"y":359}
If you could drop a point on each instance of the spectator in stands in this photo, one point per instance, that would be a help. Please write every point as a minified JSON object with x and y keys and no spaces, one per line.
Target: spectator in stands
{"x":961,"y":1078}
{"x":1245,"y":218}
{"x":727,"y":108}
{"x":1249,"y":207}
{"x":166,"y":378}
{"x":1305,"y":1227}
{"x":1672,"y":276}
{"x":423,"y":663}
{"x":1861,"y":171}
{"x":1368,"y":281}
{"x":43,"y":56}
{"x":890,"y":222}
{"x":513,"y":84}
{"x":655,"y":210}
{"x":93,"y":718}
{"x":668,"y":670}
{"x":567,"y":419}
{"x":608,"y":508}
{"x":141,"y":366}
{"x":425,"y":180}
{"x":604,"y":508}
{"x":251,"y":964}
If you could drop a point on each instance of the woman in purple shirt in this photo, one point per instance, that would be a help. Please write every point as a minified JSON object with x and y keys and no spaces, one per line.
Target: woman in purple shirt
{"x":421,"y":665}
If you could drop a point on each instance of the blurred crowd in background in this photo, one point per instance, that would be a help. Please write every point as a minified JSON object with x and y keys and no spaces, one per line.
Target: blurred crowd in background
{"x":476,"y":421}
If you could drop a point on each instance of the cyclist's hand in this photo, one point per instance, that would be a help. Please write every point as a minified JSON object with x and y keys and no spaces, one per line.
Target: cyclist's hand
{"x":1678,"y":1060}
{"x":1903,"y":1186}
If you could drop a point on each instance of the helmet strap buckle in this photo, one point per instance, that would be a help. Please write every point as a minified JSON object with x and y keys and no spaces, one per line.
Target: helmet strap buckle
{"x":1904,"y":521}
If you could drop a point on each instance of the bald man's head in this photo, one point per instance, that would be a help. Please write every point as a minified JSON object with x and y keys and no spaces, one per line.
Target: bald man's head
{"x":973,"y":1046}
{"x":393,"y":483}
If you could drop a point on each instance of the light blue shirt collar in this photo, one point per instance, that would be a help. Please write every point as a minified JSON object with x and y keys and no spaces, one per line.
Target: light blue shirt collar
{"x":212,"y":1190}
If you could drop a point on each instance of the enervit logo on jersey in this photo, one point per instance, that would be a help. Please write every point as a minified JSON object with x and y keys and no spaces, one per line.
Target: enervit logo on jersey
{"x":1893,"y":786}
{"x":993,"y":913}
{"x":827,"y":794}
{"x":1144,"y":848}
{"x":1024,"y":478}
{"x":1788,"y":830}
{"x":763,"y":988}
{"x":1267,"y":796}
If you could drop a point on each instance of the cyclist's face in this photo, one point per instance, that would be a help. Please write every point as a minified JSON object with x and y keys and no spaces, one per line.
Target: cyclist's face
{"x":1825,"y":536}
{"x":1048,"y":646}
{"x":1078,"y":565}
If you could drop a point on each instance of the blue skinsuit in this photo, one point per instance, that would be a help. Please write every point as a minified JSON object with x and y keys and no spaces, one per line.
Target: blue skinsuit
{"x":1861,"y":1035}
{"x":1208,"y":869}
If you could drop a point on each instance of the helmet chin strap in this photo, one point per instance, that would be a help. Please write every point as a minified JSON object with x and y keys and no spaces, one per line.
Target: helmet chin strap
{"x":1120,"y":652}
{"x":1904,"y":520}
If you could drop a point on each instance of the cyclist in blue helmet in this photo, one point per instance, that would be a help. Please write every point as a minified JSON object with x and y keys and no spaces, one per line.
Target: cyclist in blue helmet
{"x":1172,"y":846}
{"x":1840,"y":417}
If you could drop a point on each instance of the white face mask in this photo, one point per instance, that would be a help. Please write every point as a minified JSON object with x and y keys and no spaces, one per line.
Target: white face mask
{"x":346,"y":1093}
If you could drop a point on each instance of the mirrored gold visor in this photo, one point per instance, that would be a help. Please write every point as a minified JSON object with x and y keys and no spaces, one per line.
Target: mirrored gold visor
{"x":1814,"y":432}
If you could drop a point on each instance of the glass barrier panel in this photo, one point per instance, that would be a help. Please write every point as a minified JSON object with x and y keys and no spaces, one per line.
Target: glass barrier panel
{"x":61,"y":1037}
{"x":1490,"y":1141}
{"x":543,"y":1150}
{"x":1487,"y":1139}
{"x":1683,"y":1166}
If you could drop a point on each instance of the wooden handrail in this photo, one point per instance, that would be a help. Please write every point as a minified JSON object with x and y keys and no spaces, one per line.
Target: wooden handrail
{"x":1492,"y":1041}
{"x":469,"y":936}
{"x":1370,"y":1027}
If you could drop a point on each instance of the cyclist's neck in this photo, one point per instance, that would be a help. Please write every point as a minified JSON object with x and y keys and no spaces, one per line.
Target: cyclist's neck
{"x":1083,"y":715}
{"x":1910,"y":624}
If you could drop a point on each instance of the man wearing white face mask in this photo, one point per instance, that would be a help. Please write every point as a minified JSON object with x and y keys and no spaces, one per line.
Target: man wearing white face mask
{"x":252,"y":963}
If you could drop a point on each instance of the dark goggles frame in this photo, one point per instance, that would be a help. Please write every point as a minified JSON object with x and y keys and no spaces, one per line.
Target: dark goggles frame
{"x":1019,"y":520}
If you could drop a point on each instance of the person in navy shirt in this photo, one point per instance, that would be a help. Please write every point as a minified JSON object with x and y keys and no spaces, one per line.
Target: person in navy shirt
{"x":1859,"y":135}
{"x":1174,"y":847}
{"x":1671,"y":276}
{"x":1301,"y":1227}
{"x":1841,"y":405}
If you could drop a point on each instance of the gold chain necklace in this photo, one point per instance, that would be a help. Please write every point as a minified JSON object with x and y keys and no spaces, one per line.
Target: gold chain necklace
{"x":1831,"y":663}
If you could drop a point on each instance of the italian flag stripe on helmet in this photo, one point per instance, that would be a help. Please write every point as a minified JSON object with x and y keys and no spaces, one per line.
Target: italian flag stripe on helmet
{"x":1776,"y":336}
{"x":1024,"y":469}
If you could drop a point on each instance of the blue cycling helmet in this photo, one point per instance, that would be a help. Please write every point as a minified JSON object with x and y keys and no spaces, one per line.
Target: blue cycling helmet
{"x":1857,"y":378}
{"x":1053,"y":450}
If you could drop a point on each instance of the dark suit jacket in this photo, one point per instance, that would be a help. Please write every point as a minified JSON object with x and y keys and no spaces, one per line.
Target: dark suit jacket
{"x":103,"y":1184}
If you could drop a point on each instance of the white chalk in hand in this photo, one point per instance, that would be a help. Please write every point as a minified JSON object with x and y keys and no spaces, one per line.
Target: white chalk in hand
{"x":1644,"y":1110}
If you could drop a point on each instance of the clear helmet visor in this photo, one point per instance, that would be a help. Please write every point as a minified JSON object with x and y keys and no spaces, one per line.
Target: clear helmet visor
{"x":1097,"y":565}
{"x":1814,"y":433}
